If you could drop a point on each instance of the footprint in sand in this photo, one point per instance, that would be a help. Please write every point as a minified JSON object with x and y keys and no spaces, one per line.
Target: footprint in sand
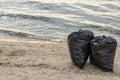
{"x":18,"y":52}
{"x":1,"y":50}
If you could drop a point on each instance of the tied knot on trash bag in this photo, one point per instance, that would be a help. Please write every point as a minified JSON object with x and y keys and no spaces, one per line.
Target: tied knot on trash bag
{"x":103,"y":40}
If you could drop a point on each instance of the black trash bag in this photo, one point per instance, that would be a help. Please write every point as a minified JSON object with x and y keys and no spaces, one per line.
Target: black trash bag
{"x":103,"y":52}
{"x":79,"y":46}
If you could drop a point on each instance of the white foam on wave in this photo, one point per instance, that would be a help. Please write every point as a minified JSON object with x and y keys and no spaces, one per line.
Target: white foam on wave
{"x":74,"y":1}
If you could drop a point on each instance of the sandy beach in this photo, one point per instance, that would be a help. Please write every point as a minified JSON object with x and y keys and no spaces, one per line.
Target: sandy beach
{"x":39,"y":60}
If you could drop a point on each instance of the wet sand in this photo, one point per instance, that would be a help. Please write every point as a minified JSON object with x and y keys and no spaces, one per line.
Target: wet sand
{"x":39,"y":60}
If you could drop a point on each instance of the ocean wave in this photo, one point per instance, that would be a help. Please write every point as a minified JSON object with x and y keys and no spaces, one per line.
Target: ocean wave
{"x":47,"y":19}
{"x":26,"y":16}
{"x":111,"y":6}
{"x":105,"y":28}
{"x":15,"y":33}
{"x":28,"y":35}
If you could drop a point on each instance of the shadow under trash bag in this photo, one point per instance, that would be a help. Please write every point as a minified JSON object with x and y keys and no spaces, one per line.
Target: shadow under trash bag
{"x":79,"y":46}
{"x":103,"y":52}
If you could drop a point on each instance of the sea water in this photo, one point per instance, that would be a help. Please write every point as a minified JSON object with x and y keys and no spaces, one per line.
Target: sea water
{"x":54,"y":20}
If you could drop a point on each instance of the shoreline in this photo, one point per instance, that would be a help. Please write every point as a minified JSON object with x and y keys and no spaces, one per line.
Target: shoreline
{"x":36,"y":41}
{"x":39,"y":59}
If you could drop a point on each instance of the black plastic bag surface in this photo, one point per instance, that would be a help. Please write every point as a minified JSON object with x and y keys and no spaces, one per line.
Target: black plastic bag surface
{"x":103,"y":52}
{"x":79,"y":46}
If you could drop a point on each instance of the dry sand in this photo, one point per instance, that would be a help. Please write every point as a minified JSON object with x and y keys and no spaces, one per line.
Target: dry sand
{"x":46,"y":61}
